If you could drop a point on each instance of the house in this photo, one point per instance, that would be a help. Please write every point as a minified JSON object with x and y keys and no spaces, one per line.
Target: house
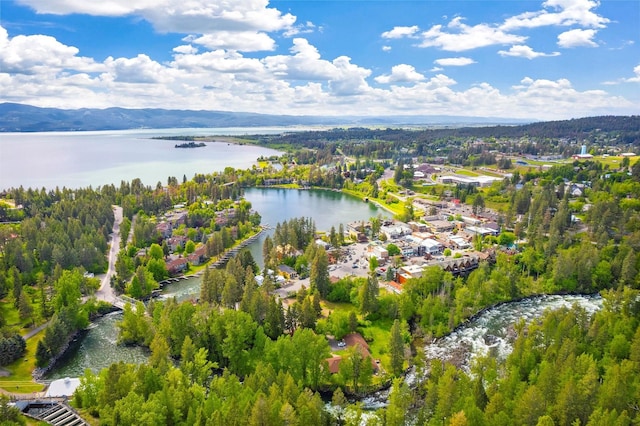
{"x":176,"y":242}
{"x":288,"y":272}
{"x":357,"y":230}
{"x":199,"y":256}
{"x":176,"y":265}
{"x":164,"y":229}
{"x":352,"y":340}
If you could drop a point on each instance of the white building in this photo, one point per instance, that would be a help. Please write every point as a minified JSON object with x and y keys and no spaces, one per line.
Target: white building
{"x":431,"y":246}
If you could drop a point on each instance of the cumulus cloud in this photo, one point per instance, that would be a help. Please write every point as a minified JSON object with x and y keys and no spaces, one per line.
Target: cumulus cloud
{"x":386,"y":48}
{"x":245,"y":41}
{"x":40,"y":54}
{"x":402,"y":73}
{"x":454,"y":62}
{"x":140,"y":69}
{"x":194,"y":16}
{"x":401,"y":32}
{"x":523,"y":51}
{"x":577,"y":38}
{"x":458,"y":36}
{"x":559,"y":13}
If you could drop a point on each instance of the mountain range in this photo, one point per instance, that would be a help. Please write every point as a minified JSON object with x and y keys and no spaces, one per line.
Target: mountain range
{"x":26,"y":118}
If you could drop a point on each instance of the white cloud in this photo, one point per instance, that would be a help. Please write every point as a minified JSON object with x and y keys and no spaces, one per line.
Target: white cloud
{"x":577,"y":38}
{"x":401,"y":32}
{"x":244,"y":41}
{"x":350,"y":78}
{"x":37,"y":54}
{"x":386,"y":48}
{"x":306,"y":28}
{"x":454,"y":62}
{"x":634,"y":79}
{"x":458,"y":37}
{"x":186,"y":49}
{"x":193,"y":16}
{"x":523,"y":51}
{"x":140,"y":69}
{"x":559,"y":13}
{"x":402,"y":73}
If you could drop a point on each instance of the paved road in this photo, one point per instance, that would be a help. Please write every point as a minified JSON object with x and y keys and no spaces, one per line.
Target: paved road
{"x":105,"y":292}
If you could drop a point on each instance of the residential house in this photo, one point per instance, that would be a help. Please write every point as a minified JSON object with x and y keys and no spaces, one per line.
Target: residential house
{"x":199,"y":255}
{"x":357,"y":341}
{"x":176,"y":265}
{"x":177,"y":242}
{"x":287,"y":272}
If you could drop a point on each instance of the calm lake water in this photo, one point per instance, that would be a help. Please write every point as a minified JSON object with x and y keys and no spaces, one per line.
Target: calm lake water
{"x":80,"y":159}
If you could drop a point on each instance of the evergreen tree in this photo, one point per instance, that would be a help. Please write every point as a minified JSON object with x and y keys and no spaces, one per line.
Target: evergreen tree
{"x":319,"y":276}
{"x":396,"y":348}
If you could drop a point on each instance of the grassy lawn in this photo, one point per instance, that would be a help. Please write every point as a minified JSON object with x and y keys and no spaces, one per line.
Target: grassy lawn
{"x":466,"y":172}
{"x":9,"y":313}
{"x":395,"y":208}
{"x":20,"y":380}
{"x":380,"y":331}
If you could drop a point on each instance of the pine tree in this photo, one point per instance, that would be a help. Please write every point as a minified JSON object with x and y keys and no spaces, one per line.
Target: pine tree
{"x":396,"y":348}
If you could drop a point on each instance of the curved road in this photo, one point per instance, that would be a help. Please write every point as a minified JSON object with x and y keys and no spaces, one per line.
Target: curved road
{"x":105,"y":292}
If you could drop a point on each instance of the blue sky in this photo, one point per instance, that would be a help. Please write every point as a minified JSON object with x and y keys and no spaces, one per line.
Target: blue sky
{"x":553,"y":59}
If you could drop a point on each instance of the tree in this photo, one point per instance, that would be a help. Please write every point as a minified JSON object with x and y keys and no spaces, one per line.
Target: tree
{"x":155,"y":251}
{"x":399,"y":400}
{"x":24,"y":308}
{"x":393,"y":250}
{"x":319,"y":275}
{"x":478,"y":204}
{"x":396,"y":348}
{"x":368,"y":295}
{"x":190,"y":247}
{"x":333,"y":237}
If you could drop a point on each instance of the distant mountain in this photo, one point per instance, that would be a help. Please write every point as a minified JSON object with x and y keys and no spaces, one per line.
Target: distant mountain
{"x":26,"y":118}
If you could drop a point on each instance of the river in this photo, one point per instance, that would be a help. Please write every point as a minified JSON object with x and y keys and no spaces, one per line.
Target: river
{"x":489,"y":333}
{"x":81,"y":159}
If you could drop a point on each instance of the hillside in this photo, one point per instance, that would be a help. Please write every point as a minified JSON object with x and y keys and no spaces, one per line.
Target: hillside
{"x":26,"y":118}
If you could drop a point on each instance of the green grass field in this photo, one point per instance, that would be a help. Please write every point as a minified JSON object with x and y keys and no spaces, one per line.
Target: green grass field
{"x":20,"y":380}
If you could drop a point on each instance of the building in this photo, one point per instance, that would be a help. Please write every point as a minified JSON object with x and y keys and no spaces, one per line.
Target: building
{"x":459,"y":243}
{"x":199,"y":255}
{"x":431,"y":247}
{"x":357,"y":341}
{"x":583,"y":154}
{"x":482,"y":231}
{"x":176,"y":265}
{"x":62,"y":388}
{"x":287,"y":272}
{"x":441,"y":226}
{"x":479,"y":180}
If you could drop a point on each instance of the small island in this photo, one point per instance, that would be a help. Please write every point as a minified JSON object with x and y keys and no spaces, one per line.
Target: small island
{"x":190,"y":145}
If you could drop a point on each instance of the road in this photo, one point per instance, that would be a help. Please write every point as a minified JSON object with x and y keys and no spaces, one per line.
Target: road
{"x":105,"y":292}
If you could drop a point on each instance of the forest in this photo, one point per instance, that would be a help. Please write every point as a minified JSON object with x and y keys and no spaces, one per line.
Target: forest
{"x":241,"y":355}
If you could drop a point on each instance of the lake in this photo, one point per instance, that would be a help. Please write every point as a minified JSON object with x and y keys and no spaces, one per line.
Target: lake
{"x":81,"y":159}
